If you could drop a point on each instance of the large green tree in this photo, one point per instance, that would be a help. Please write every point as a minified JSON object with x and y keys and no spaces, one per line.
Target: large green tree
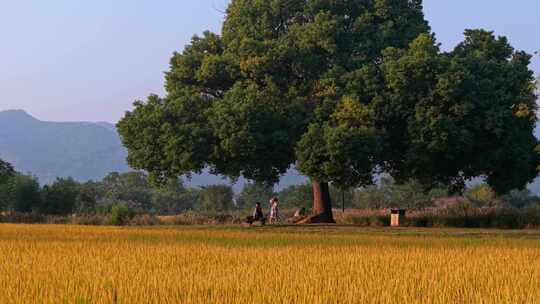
{"x":342,"y":90}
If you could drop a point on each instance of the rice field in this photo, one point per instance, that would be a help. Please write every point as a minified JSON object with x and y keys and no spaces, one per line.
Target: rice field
{"x":76,"y":264}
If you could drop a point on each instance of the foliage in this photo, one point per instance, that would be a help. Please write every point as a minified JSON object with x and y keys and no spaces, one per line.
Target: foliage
{"x":296,"y":196}
{"x":25,"y":194}
{"x":132,"y":187}
{"x":252,"y":193}
{"x":173,"y":198}
{"x":91,"y":220}
{"x":342,"y":90}
{"x":121,"y":214}
{"x":20,"y":193}
{"x":60,"y":198}
{"x":468,"y":216}
{"x":342,"y":196}
{"x":89,"y":194}
{"x":238,"y":100}
{"x":144,"y":220}
{"x":216,"y":198}
{"x":389,"y":194}
{"x":520,"y":199}
{"x":482,"y":195}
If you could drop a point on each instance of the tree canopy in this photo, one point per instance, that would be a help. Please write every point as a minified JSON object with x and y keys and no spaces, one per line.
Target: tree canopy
{"x":342,"y":90}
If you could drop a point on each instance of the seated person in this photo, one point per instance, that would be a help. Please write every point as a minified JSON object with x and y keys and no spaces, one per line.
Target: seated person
{"x":257,"y":216}
{"x":300,"y":212}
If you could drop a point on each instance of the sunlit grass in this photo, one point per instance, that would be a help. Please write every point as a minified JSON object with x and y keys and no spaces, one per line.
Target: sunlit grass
{"x":75,"y":264}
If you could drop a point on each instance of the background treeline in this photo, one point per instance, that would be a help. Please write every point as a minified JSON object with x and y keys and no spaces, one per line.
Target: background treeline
{"x":65,"y":196}
{"x":129,"y":198}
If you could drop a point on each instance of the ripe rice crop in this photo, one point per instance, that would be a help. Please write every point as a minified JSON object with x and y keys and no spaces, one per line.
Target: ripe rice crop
{"x":76,"y":264}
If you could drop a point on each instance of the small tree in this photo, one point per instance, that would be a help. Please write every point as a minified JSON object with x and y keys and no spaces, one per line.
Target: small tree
{"x":172,"y":198}
{"x":121,"y":214}
{"x":388,"y":194}
{"x":297,"y":196}
{"x":60,"y":198}
{"x":482,"y":195}
{"x":216,"y":198}
{"x":132,"y":187}
{"x":90,"y":193}
{"x":21,"y":193}
{"x":252,"y":193}
{"x":520,"y":199}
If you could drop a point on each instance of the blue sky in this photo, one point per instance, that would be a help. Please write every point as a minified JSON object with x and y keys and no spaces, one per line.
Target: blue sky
{"x":73,"y":60}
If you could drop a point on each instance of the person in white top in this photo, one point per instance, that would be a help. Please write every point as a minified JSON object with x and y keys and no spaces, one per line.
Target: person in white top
{"x":274,"y":210}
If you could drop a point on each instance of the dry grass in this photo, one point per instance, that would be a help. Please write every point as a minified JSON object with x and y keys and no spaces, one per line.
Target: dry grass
{"x":76,"y":264}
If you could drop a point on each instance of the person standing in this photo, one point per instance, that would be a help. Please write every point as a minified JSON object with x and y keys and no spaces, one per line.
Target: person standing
{"x":274,"y":210}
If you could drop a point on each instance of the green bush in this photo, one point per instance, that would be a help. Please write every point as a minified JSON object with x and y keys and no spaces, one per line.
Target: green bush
{"x":121,"y":214}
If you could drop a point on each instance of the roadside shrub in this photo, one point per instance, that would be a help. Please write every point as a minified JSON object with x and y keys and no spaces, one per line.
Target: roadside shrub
{"x":365,"y":220}
{"x":144,"y":220}
{"x":470,"y":217}
{"x":57,"y":220}
{"x":216,"y":198}
{"x":187,"y":218}
{"x":91,"y":220}
{"x":22,"y":218}
{"x":208,"y":218}
{"x":121,"y":214}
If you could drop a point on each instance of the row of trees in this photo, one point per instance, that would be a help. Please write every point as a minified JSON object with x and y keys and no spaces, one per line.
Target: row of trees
{"x":389,"y":194}
{"x":22,"y":193}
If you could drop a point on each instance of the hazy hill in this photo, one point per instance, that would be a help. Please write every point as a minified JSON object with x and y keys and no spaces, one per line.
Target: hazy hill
{"x":49,"y":149}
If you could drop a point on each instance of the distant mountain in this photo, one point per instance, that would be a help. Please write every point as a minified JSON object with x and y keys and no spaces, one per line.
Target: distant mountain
{"x":48,"y":150}
{"x":82,"y":150}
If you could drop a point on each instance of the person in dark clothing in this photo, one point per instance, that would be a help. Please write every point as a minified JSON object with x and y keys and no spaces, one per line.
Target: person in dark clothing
{"x":257,"y":216}
{"x":258,"y":213}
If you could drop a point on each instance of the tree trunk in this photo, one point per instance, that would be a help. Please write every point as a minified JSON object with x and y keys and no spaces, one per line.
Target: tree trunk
{"x":322,"y":205}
